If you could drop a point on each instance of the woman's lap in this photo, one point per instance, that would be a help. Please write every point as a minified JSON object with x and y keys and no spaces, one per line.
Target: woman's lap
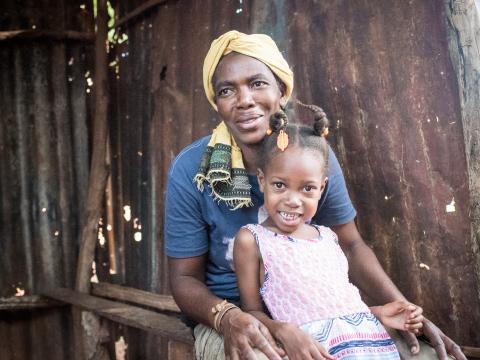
{"x":209,"y":346}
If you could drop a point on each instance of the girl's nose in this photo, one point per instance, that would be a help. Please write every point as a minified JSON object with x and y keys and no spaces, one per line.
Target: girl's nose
{"x":293,"y":200}
{"x":245,"y":98}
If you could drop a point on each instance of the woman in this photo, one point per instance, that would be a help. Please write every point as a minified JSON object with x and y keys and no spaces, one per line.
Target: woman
{"x":212,"y":192}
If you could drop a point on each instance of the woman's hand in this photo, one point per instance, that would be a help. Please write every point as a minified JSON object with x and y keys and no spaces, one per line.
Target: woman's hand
{"x":299,"y":345}
{"x":437,"y":339}
{"x":242,"y":333}
{"x":400,"y":315}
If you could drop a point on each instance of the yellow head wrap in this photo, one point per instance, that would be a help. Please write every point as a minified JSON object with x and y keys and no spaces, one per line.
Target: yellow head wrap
{"x":258,"y":46}
{"x":222,"y":165}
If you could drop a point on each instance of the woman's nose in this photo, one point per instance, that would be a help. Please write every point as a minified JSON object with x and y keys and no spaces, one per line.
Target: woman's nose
{"x":245,"y":98}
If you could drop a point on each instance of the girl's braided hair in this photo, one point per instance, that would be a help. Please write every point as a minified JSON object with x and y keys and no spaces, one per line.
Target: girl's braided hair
{"x":305,"y":137}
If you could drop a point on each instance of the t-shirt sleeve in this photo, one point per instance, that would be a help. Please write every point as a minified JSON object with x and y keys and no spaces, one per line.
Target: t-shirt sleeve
{"x":185,"y":228}
{"x":335,"y":207}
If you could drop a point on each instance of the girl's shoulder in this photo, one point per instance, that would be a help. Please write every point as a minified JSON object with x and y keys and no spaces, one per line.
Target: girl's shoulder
{"x":251,"y":229}
{"x":326,"y":232}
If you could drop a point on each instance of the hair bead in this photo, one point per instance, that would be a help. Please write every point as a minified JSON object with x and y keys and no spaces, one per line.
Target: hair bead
{"x":282,"y":140}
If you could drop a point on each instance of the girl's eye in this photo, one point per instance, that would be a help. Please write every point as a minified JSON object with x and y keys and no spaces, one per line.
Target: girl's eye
{"x":308,"y":188}
{"x":278,"y":185}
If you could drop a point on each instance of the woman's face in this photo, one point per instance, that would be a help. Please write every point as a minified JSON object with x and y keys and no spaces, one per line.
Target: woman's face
{"x":246,"y":94}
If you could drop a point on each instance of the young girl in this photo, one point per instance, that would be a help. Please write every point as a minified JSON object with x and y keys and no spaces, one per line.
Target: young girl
{"x":298,"y":269}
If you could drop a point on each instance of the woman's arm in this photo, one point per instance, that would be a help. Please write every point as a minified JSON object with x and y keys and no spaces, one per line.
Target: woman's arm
{"x":240,"y":330}
{"x":364,"y":269}
{"x":366,"y":272}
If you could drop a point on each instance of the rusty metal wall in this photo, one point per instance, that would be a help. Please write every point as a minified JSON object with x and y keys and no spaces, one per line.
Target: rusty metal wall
{"x":381,"y":71}
{"x":383,"y":74}
{"x":43,"y":166}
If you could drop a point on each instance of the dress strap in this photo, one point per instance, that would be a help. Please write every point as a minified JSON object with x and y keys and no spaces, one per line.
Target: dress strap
{"x":319,"y":230}
{"x":253,"y":229}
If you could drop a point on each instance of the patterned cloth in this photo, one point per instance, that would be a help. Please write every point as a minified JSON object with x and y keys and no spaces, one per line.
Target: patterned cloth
{"x":355,"y":336}
{"x":306,"y":283}
{"x":222,"y":168}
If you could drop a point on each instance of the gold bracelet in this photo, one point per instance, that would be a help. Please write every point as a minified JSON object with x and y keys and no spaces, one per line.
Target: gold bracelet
{"x":219,"y":316}
{"x":219,"y":311}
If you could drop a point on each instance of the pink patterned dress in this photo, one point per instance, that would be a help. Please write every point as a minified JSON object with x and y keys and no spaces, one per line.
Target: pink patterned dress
{"x":306,"y":283}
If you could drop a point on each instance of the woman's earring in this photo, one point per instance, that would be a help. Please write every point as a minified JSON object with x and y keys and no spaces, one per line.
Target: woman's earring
{"x":269,"y":131}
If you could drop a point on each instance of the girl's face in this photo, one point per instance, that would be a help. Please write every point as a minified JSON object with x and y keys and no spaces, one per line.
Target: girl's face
{"x":292,"y":183}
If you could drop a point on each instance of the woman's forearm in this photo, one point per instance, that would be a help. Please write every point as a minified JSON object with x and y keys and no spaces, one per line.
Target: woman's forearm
{"x":189,"y":289}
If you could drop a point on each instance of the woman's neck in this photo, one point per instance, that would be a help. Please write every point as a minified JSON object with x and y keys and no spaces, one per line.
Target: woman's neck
{"x":250,"y":158}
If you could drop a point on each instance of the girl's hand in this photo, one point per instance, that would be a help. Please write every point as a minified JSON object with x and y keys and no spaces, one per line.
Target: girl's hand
{"x":299,"y":345}
{"x":400,"y":315}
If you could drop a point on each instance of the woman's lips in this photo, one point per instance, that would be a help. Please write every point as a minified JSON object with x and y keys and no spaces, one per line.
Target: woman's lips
{"x":248,"y":122}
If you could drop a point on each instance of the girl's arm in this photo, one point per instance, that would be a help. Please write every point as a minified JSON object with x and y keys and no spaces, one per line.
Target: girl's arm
{"x":400,"y":315}
{"x":247,"y":261}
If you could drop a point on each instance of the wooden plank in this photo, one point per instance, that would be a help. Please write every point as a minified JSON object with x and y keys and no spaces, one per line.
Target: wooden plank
{"x":46,"y":34}
{"x":180,"y":351}
{"x":160,"y":324}
{"x":27,"y":303}
{"x":139,"y":297}
{"x":471,"y":352}
{"x":139,"y":11}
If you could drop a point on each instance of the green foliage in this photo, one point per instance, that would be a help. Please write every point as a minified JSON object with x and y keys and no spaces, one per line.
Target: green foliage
{"x":113,"y":35}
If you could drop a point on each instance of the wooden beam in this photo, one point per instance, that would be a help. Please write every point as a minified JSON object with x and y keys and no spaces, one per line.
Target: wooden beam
{"x":160,"y":324}
{"x":46,"y":34}
{"x":135,"y":296}
{"x":139,"y":11}
{"x":86,"y":341}
{"x":471,"y":352}
{"x":27,"y":303}
{"x":98,"y":168}
{"x":110,"y":228}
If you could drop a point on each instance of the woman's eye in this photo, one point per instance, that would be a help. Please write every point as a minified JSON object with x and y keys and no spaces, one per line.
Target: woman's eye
{"x":278,"y":185}
{"x":259,"y":83}
{"x":224,"y":92}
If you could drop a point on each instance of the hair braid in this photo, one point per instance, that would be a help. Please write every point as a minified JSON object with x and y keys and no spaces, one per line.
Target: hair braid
{"x":320,"y":120}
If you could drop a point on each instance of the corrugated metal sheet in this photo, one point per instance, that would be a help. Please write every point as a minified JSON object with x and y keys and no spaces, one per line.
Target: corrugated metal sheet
{"x":44,"y":168}
{"x":382,"y":73}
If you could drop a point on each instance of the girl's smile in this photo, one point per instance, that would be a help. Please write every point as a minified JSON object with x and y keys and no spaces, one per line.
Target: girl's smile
{"x":292,"y":184}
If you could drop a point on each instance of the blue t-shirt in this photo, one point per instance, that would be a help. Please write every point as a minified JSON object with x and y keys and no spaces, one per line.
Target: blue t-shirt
{"x":196,"y":224}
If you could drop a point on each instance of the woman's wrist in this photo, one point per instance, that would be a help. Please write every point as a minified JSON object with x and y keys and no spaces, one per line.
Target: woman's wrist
{"x":219,"y":311}
{"x":226,"y":319}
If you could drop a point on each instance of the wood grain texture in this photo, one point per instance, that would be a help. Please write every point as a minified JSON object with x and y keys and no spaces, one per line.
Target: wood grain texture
{"x":156,"y":323}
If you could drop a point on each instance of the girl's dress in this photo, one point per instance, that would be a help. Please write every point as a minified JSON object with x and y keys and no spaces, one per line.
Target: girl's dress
{"x":306,"y":283}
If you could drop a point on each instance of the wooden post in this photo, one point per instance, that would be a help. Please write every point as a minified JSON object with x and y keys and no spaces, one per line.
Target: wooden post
{"x":110,"y":233}
{"x":87,"y":340}
{"x":98,"y":168}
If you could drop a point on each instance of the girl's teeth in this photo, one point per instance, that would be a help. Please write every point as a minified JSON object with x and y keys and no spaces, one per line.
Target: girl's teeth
{"x":288,"y":216}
